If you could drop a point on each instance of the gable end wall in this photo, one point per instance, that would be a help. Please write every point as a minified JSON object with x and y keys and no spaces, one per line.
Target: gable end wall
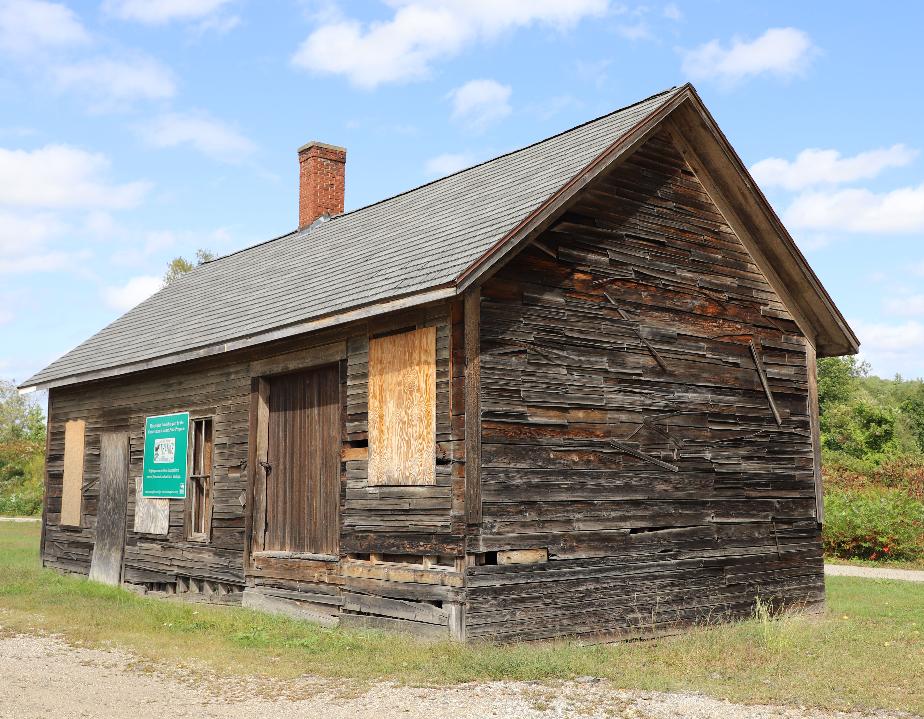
{"x":665,"y":366}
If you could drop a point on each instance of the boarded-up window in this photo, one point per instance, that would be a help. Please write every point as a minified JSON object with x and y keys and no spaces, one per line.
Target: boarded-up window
{"x":152,"y":516}
{"x":402,"y":408}
{"x":72,"y":489}
{"x":199,"y":488}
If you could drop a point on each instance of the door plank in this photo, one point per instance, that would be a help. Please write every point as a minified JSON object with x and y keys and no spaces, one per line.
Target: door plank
{"x":303,"y":486}
{"x":106,"y":564}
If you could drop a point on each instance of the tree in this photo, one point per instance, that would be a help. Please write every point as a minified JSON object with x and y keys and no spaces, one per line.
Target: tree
{"x":20,"y":419}
{"x":838,"y":379}
{"x":22,"y":449}
{"x":912,"y":410}
{"x":860,"y":430}
{"x":179,"y":266}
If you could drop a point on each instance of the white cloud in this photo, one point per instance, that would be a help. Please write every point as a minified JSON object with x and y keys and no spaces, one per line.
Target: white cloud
{"x":827,"y":167}
{"x":160,"y":12}
{"x":58,"y":176}
{"x":25,"y":237}
{"x":593,"y":71}
{"x":479,"y":103}
{"x":201,"y":132}
{"x":6,"y":316}
{"x":30,"y":26}
{"x":672,"y":12}
{"x":784,"y":51}
{"x":907,"y":306}
{"x":892,"y":348}
{"x":405,"y":47}
{"x":860,"y":210}
{"x":809,"y":241}
{"x":151,"y":244}
{"x":134,"y":291}
{"x":112,"y":83}
{"x":636,"y":31}
{"x":447,"y":163}
{"x":20,"y":231}
{"x":49,"y":261}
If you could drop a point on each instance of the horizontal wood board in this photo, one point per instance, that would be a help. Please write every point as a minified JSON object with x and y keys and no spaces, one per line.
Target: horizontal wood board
{"x":627,"y":428}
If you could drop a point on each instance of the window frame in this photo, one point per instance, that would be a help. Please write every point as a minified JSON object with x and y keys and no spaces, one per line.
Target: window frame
{"x":203,"y":477}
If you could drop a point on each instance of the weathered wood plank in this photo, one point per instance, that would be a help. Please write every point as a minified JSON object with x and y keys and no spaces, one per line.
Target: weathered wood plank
{"x":472,"y":314}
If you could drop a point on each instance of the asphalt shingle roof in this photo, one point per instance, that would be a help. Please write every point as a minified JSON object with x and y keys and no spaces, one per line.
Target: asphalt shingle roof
{"x":413,"y":242}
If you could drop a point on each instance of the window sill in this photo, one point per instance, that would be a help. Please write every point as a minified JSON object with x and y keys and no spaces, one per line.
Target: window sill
{"x":296,"y":555}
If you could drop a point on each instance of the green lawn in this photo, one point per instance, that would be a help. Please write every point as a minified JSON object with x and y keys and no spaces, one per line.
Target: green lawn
{"x":866,"y":652}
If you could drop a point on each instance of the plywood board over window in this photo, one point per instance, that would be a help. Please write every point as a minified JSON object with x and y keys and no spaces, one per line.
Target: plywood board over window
{"x":402,"y":408}
{"x":72,"y":491}
{"x":152,"y":516}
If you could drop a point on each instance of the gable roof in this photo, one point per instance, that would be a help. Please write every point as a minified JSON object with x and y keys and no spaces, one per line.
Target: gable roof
{"x":424,"y":244}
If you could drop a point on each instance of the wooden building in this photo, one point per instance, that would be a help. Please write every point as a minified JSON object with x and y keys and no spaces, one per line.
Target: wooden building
{"x":566,"y":392}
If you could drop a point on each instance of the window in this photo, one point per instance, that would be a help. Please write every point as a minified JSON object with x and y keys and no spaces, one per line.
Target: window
{"x":402,"y":408}
{"x":72,"y":483}
{"x":199,"y":486}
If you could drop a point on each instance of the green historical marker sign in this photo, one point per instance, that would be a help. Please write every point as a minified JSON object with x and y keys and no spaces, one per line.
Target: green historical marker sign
{"x":164,"y":471}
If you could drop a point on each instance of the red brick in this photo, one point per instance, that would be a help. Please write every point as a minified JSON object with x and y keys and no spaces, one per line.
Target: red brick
{"x":322,"y":175}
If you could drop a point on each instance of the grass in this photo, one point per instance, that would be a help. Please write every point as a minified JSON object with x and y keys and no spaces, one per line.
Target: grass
{"x":866,"y":652}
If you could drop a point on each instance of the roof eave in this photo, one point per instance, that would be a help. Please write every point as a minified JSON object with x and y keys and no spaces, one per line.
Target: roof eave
{"x":697,"y":133}
{"x":567,"y":195}
{"x":753,"y":218}
{"x":357,"y":313}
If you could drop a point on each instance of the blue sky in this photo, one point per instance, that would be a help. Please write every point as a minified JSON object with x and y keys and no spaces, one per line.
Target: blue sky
{"x":132,"y":131}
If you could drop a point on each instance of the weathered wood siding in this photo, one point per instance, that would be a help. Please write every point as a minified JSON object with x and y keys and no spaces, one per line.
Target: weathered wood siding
{"x":399,"y":544}
{"x":408,"y":519}
{"x":637,"y":318}
{"x":217,"y":389}
{"x":401,"y":547}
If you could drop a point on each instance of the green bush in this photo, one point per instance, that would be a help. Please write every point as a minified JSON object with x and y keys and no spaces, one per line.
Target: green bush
{"x":877,"y":524}
{"x":21,"y":485}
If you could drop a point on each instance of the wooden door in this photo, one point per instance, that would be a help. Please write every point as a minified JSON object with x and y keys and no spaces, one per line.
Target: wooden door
{"x":303,"y":457}
{"x":106,"y":564}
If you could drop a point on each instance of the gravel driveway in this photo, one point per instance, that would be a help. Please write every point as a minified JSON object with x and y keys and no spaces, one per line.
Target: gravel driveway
{"x":43,"y":676}
{"x":850,"y":570}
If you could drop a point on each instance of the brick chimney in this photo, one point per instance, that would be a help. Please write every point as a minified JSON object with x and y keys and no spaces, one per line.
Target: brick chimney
{"x":322,"y":169}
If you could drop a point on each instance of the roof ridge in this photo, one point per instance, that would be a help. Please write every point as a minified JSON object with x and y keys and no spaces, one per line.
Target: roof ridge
{"x":505,"y":154}
{"x":453,"y":174}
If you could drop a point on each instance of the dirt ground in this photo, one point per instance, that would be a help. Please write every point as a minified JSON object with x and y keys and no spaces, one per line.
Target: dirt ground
{"x":44,"y":676}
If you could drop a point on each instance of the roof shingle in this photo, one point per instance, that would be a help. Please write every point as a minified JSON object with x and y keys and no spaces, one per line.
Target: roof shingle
{"x":416,"y":241}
